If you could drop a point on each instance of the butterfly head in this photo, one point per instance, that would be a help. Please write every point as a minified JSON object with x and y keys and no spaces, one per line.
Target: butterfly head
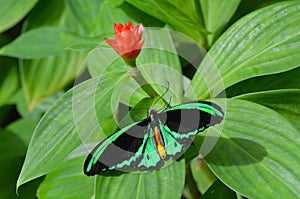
{"x":153,"y":115}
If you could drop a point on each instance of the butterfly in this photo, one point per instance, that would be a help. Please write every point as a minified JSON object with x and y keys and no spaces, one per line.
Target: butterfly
{"x":155,"y":141}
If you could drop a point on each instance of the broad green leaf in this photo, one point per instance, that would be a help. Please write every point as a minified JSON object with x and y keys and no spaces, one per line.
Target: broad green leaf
{"x":42,"y":78}
{"x":86,"y":44}
{"x":111,"y":62}
{"x":71,"y":118}
{"x":38,"y":43}
{"x":132,"y":93}
{"x":13,"y":11}
{"x":219,"y":191}
{"x":12,"y":151}
{"x":263,"y":42}
{"x":67,"y":181}
{"x":97,"y":17}
{"x":23,"y":128}
{"x":183,"y":16}
{"x":285,"y":80}
{"x":109,"y":59}
{"x":159,"y":64}
{"x":120,"y":11}
{"x":216,"y":15}
{"x":285,"y":101}
{"x":257,"y":147}
{"x":9,"y":139}
{"x":164,"y":183}
{"x":39,"y":110}
{"x":202,"y":175}
{"x":54,"y":9}
{"x":9,"y":81}
{"x":84,"y":14}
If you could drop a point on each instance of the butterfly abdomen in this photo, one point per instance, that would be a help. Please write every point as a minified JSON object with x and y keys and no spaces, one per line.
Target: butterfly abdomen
{"x":157,"y":137}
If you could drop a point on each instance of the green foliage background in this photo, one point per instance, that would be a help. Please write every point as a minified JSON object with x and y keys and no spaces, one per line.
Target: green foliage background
{"x":57,"y":76}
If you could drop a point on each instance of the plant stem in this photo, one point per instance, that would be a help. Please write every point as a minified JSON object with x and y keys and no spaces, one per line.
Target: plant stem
{"x":190,"y":183}
{"x":135,"y":73}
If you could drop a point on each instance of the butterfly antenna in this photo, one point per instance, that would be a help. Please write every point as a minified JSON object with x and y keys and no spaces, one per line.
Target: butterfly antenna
{"x":161,"y":97}
{"x":167,"y":106}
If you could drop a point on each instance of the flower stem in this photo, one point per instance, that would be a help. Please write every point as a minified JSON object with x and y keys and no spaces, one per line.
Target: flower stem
{"x":135,"y":73}
{"x":191,"y":189}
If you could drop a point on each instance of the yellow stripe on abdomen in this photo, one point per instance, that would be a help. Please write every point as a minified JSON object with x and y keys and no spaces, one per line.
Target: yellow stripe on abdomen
{"x":160,"y":148}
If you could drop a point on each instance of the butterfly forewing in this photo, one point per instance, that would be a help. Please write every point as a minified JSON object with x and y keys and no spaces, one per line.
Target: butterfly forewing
{"x":181,"y":123}
{"x":118,"y":151}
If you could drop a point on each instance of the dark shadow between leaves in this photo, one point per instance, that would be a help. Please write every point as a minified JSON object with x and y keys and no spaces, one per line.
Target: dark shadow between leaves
{"x":113,"y":173}
{"x":137,"y":15}
{"x":228,"y":151}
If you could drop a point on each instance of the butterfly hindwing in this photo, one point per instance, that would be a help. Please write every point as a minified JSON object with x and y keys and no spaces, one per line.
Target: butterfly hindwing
{"x":191,"y":118}
{"x":151,"y":159}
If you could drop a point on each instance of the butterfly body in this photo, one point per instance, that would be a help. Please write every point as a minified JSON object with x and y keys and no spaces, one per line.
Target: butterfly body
{"x":150,"y":144}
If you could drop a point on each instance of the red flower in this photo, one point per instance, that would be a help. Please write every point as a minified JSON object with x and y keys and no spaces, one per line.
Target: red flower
{"x":128,"y":41}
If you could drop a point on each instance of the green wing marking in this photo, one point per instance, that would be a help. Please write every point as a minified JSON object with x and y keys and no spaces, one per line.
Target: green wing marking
{"x":150,"y":156}
{"x":108,"y":154}
{"x":201,"y":106}
{"x":102,"y":147}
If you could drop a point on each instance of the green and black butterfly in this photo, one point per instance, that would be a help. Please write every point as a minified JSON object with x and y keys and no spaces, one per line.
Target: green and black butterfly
{"x":151,"y":143}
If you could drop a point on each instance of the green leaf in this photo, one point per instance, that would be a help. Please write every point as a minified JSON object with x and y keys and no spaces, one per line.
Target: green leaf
{"x":9,"y":81}
{"x":9,"y":139}
{"x":183,"y":16}
{"x":283,"y":80}
{"x":67,"y":181}
{"x":13,"y":11}
{"x":219,"y":191}
{"x":12,"y":151}
{"x":111,"y":62}
{"x":202,"y":175}
{"x":37,"y":19}
{"x":216,"y":15}
{"x":97,"y":17}
{"x":71,"y":118}
{"x":285,"y":101}
{"x":160,"y":66}
{"x":109,"y":59}
{"x":85,"y":15}
{"x":39,"y":110}
{"x":267,"y":44}
{"x":23,"y":128}
{"x":42,"y":78}
{"x":86,"y":44}
{"x":132,"y":93}
{"x":38,"y":43}
{"x":257,"y":146}
{"x":164,"y":183}
{"x":120,"y":11}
